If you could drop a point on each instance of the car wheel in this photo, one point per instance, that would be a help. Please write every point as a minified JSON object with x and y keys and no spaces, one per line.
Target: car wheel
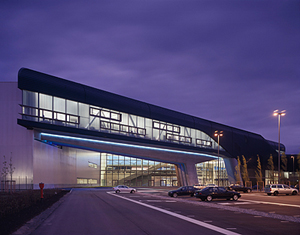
{"x":249,"y":191}
{"x":175,"y":195}
{"x":294,"y":192}
{"x":132,"y":191}
{"x":209,"y":198}
{"x":275,"y":193}
{"x":235,"y":197}
{"x":118,"y":191}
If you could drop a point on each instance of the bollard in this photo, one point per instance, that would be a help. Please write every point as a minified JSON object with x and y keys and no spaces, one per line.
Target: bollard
{"x":41,"y":187}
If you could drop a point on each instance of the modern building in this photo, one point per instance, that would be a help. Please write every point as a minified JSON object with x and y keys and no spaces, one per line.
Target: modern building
{"x":65,"y":134}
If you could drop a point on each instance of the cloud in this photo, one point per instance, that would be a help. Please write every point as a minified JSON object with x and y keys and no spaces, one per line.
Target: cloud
{"x":232,"y":62}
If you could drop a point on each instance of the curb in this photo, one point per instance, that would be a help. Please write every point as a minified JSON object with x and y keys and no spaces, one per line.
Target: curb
{"x":35,"y":222}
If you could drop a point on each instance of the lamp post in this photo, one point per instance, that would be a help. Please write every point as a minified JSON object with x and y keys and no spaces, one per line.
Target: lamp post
{"x":218,"y":134}
{"x":279,"y":114}
{"x":293,"y":166}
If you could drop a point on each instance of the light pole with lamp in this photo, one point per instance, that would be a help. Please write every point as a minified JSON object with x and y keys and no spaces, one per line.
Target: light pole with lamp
{"x":218,"y":134}
{"x":293,"y":166}
{"x":277,"y":113}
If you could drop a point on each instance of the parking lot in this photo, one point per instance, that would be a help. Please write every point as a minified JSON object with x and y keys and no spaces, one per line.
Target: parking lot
{"x":285,"y":205}
{"x":152,"y":211}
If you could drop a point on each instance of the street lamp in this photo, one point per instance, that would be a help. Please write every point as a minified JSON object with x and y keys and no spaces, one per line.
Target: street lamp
{"x":279,"y":114}
{"x":293,"y":165}
{"x":218,"y":134}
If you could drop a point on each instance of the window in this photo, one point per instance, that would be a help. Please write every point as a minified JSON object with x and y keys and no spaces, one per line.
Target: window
{"x":203,"y":142}
{"x":93,"y":165}
{"x":105,"y":114}
{"x":178,"y":138}
{"x":166,"y":127}
{"x":45,"y":101}
{"x":122,"y":128}
{"x":46,"y":114}
{"x":60,"y":116}
{"x":86,"y":181}
{"x":59,"y":104}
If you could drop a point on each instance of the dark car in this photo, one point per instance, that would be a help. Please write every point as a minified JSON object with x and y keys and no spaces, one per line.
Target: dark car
{"x":211,"y":193}
{"x":185,"y":190}
{"x":239,"y":188}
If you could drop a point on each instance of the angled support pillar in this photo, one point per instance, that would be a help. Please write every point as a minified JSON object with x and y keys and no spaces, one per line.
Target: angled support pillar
{"x":186,"y":173}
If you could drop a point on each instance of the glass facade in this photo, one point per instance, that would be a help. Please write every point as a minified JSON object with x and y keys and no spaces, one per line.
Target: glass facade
{"x":112,"y":169}
{"x":54,"y":110}
{"x":208,"y":173}
{"x":117,"y":169}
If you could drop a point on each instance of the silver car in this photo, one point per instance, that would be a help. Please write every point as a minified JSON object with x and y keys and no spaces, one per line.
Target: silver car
{"x":124,"y":189}
{"x":276,"y":189}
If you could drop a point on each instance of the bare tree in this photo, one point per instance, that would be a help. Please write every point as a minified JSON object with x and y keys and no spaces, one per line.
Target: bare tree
{"x":245,"y":170}
{"x":4,"y":172}
{"x":271,"y":169}
{"x":258,"y":173}
{"x":237,"y":172}
{"x":11,"y":169}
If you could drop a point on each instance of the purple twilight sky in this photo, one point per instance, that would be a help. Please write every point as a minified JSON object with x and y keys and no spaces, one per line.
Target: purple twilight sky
{"x":232,"y":62}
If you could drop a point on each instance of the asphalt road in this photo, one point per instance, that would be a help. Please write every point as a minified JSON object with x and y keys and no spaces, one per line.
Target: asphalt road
{"x":99,"y":211}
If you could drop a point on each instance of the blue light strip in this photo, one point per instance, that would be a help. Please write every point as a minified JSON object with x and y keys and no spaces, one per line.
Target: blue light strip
{"x":129,"y":145}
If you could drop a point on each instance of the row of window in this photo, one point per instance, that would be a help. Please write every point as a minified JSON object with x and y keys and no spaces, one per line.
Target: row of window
{"x":50,"y":108}
{"x":179,"y":138}
{"x":122,"y":128}
{"x":105,"y":114}
{"x":204,"y":142}
{"x":86,"y":181}
{"x":166,"y":127}
{"x":49,"y":115}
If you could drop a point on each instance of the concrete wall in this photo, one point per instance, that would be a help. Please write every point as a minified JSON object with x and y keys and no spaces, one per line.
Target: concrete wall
{"x":15,"y":141}
{"x":55,"y":167}
{"x":83,"y":170}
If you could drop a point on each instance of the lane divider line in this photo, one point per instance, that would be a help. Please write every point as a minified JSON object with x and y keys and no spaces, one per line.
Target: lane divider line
{"x":191,"y":220}
{"x":272,"y":203}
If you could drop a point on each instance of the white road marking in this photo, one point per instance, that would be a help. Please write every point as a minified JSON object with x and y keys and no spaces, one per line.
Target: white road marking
{"x":235,"y":203}
{"x":191,"y":220}
{"x":272,"y":203}
{"x":153,"y":200}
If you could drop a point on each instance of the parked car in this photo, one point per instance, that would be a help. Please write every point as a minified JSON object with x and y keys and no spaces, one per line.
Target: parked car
{"x":211,"y":185}
{"x":199,"y":186}
{"x":210,"y":193}
{"x":185,"y":190}
{"x":276,"y":189}
{"x":124,"y":189}
{"x":239,"y":188}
